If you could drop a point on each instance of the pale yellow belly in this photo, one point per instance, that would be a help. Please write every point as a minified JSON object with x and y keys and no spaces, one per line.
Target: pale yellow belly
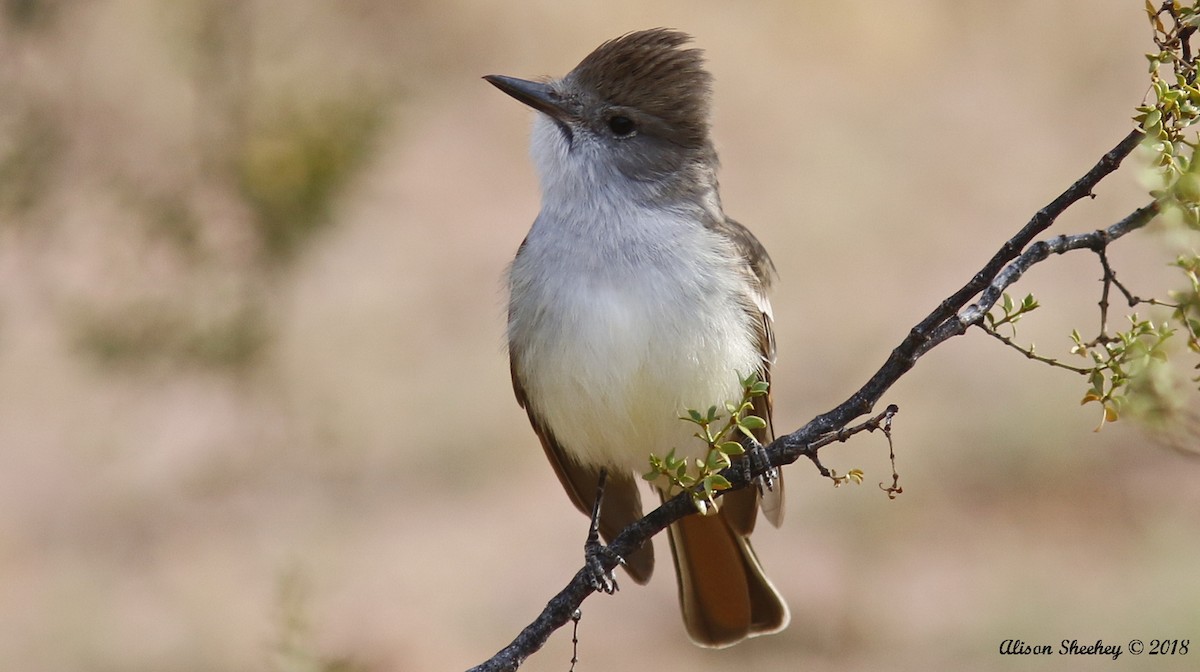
{"x":614,"y":379}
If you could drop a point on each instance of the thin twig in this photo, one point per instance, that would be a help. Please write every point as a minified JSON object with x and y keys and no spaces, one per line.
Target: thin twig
{"x":575,"y":618}
{"x":881,"y":421}
{"x":1108,"y":279}
{"x":1030,"y":353}
{"x":894,"y":489}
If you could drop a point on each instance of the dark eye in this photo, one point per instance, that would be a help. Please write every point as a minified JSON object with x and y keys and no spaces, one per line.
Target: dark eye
{"x":621,"y":126}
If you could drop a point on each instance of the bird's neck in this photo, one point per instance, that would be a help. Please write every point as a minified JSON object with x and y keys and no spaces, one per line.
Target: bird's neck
{"x":581,"y":183}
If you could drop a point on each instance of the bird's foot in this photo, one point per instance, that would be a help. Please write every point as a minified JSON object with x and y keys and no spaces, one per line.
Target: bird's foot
{"x":595,"y":553}
{"x":596,"y":556}
{"x":756,"y":459}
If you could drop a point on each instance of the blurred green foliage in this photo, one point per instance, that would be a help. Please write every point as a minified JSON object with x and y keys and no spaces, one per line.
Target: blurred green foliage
{"x":171,"y":218}
{"x":295,"y":650}
{"x":296,"y":161}
{"x":146,"y":333}
{"x":29,"y":13}
{"x":276,"y":163}
{"x":30,"y":142}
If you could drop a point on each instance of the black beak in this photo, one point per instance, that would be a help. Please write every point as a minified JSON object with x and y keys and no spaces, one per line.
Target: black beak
{"x":541,"y":97}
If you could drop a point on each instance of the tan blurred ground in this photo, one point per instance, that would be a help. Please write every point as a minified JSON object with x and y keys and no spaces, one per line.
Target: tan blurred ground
{"x":361,"y":486}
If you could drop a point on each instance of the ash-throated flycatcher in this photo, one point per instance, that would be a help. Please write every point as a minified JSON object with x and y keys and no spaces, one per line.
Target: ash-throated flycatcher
{"x":633,"y":299}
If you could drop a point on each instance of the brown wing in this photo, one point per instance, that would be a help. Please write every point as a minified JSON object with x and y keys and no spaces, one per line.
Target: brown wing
{"x":741,"y":507}
{"x":764,"y":407}
{"x":757,"y":259}
{"x":622,"y":501}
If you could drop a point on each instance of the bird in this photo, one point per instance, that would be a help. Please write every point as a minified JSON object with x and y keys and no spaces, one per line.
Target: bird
{"x":634,"y":298}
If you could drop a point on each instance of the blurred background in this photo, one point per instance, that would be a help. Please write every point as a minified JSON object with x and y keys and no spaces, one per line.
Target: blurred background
{"x":255,"y":411}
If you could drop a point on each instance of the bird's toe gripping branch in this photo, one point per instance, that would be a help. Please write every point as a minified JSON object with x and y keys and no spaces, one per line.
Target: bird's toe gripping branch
{"x":598,"y":557}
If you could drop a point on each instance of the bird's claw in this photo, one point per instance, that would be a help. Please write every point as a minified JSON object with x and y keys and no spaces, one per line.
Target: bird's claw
{"x":757,"y":460}
{"x":596,"y":556}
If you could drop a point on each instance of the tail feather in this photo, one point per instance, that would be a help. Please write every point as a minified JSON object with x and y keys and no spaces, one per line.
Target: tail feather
{"x":723,"y":593}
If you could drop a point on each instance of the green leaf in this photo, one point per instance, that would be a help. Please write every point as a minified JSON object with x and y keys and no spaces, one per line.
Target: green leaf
{"x":731,"y":448}
{"x":752,"y":422}
{"x":719,"y":482}
{"x":716,"y":461}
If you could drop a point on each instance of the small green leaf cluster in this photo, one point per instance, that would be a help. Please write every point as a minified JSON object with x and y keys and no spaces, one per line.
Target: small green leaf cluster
{"x":1012,"y":312}
{"x":1119,"y":360}
{"x":1175,"y":106}
{"x":1187,"y":301}
{"x":718,"y":432}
